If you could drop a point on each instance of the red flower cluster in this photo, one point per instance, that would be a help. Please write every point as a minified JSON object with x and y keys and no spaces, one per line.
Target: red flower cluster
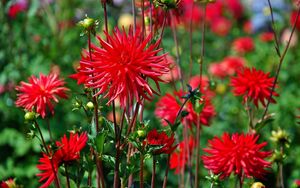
{"x":121,"y":67}
{"x":168,"y":107}
{"x":178,"y":160}
{"x":227,"y":67}
{"x":239,"y":154}
{"x":253,"y":85}
{"x":40,"y":93}
{"x":243,"y":45}
{"x":161,"y":139}
{"x":68,"y":151}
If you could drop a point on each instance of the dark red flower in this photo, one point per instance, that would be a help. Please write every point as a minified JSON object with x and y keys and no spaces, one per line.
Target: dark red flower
{"x":121,"y":67}
{"x":161,"y":139}
{"x":243,"y":45}
{"x":181,"y":158}
{"x":68,"y":151}
{"x":253,"y":85}
{"x":168,"y":107}
{"x":239,"y":154}
{"x":293,"y":20}
{"x":3,"y":185}
{"x":40,"y":93}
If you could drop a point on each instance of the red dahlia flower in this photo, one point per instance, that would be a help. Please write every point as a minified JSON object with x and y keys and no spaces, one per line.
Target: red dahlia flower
{"x":243,"y":45}
{"x":120,"y":67}
{"x":48,"y":167}
{"x":253,"y":85}
{"x":169,"y":105}
{"x":227,"y":67}
{"x":161,"y":139}
{"x":68,"y":151}
{"x":40,"y":93}
{"x":239,"y":154}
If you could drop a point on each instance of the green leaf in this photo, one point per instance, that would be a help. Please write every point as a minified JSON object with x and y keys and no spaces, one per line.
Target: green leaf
{"x":99,"y":141}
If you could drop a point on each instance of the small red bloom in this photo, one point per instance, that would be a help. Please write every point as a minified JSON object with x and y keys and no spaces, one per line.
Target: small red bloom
{"x":121,"y":67}
{"x":48,"y":167}
{"x":3,"y":185}
{"x":40,"y":93}
{"x":221,"y":26}
{"x":239,"y":154}
{"x":253,"y":85}
{"x":293,"y":20}
{"x":168,"y":107}
{"x":68,"y":151}
{"x":174,"y":73}
{"x":161,"y":139}
{"x":297,"y":183}
{"x":227,"y":67}
{"x":266,"y":37}
{"x":243,"y":45}
{"x":16,"y":8}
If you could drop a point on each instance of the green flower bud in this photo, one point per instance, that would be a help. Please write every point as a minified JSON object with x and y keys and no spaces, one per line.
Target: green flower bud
{"x":258,"y":185}
{"x":29,"y":116}
{"x":141,"y":133}
{"x":281,"y":137}
{"x":90,"y":105}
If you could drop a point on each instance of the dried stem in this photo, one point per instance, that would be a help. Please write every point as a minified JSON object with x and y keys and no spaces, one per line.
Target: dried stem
{"x":178,"y":62}
{"x":282,"y":56}
{"x":56,"y":179}
{"x":191,"y":41}
{"x":141,"y":170}
{"x":153,"y":172}
{"x":67,"y":175}
{"x":166,"y":172}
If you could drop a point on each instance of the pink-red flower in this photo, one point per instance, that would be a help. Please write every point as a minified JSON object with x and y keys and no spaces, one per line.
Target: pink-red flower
{"x":40,"y":93}
{"x":155,"y":138}
{"x":168,"y":107}
{"x":243,"y":45}
{"x":253,"y":85}
{"x":239,"y":154}
{"x":297,"y":183}
{"x":122,"y":66}
{"x":227,"y":67}
{"x":221,"y":26}
{"x":68,"y":151}
{"x":16,"y":8}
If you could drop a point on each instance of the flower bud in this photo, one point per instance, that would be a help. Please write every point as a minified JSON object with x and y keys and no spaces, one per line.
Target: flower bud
{"x":167,"y":4}
{"x":90,"y":105}
{"x":258,"y":185}
{"x":29,"y":116}
{"x":281,"y":137}
{"x":141,"y":133}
